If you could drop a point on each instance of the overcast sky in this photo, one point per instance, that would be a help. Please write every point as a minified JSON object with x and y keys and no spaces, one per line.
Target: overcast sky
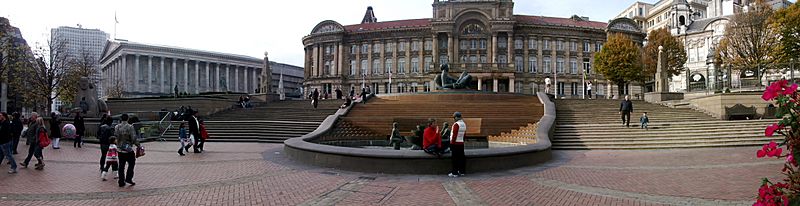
{"x":246,"y":27}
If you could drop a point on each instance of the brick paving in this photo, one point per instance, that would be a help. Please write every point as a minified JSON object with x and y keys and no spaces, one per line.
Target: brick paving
{"x":259,"y":174}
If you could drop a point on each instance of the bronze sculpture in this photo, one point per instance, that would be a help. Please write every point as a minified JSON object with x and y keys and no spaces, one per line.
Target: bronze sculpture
{"x":445,"y":81}
{"x":86,"y":99}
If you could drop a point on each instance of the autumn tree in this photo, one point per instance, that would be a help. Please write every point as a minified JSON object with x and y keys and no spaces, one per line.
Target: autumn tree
{"x":675,"y":53}
{"x":619,"y":61}
{"x":42,"y":76}
{"x":751,"y":42}
{"x":787,"y":22}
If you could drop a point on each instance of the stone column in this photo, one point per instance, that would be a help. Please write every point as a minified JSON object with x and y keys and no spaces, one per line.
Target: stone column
{"x":450,"y":57}
{"x":511,"y":85}
{"x":174,"y":71}
{"x":254,"y":80}
{"x":185,"y":75}
{"x":136,"y":74}
{"x":435,"y":53}
{"x":315,"y":64}
{"x":526,"y":58}
{"x":494,"y":85}
{"x":382,"y":59}
{"x":228,"y":77}
{"x":493,"y":54}
{"x":336,"y":55}
{"x":341,"y":60}
{"x":208,"y":77}
{"x":196,"y":77}
{"x":149,"y":78}
{"x":163,"y":77}
{"x":510,"y":45}
{"x":246,"y":85}
{"x":236,"y":75}
{"x":216,"y":79}
{"x":480,"y":84}
{"x":369,"y":57}
{"x":123,"y":72}
{"x":408,"y":57}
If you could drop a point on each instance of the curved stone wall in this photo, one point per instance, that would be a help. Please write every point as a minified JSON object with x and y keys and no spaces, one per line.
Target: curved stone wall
{"x":415,"y":161}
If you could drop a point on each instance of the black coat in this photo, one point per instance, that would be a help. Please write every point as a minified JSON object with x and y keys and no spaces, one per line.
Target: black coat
{"x":194,"y":128}
{"x":80,"y":126}
{"x":55,"y":128}
{"x":5,"y":132}
{"x":16,"y":127}
{"x":104,"y":133}
{"x":626,"y":106}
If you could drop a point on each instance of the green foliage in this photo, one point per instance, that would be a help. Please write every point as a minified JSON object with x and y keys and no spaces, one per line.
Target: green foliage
{"x":675,"y":53}
{"x":619,"y":60}
{"x":787,"y":23}
{"x":750,"y":41}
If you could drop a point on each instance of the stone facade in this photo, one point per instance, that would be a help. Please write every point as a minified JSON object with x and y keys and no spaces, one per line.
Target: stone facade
{"x":502,"y":51}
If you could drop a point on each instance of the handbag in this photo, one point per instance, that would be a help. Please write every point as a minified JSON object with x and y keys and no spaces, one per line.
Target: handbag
{"x":139,"y":151}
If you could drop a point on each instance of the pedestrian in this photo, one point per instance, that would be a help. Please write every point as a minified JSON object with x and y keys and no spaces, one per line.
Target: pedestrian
{"x":111,"y":158}
{"x":194,"y":130}
{"x":183,"y":137}
{"x":445,"y":134}
{"x":35,"y":129}
{"x":352,"y":92}
{"x":315,"y":98}
{"x":431,"y":141}
{"x":55,"y":130}
{"x":395,"y":139}
{"x":459,"y":161}
{"x":547,"y":85}
{"x":104,"y":135}
{"x":644,"y":120}
{"x":589,"y":89}
{"x":6,"y":133}
{"x":203,"y":135}
{"x":80,"y":130}
{"x":363,"y":95}
{"x":625,"y":109}
{"x":16,"y":125}
{"x":126,"y":140}
{"x":338,"y":93}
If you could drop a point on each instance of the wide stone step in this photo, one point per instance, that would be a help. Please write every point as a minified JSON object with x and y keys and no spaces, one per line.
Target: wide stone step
{"x":667,"y":146}
{"x":713,"y":122}
{"x":657,"y":138}
{"x":664,"y":142}
{"x":646,"y":135}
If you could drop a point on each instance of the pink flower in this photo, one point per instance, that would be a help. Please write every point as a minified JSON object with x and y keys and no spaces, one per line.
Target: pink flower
{"x":769,"y":150}
{"x":790,"y":90}
{"x":790,"y":159}
{"x":770,"y":93}
{"x":778,"y":88}
{"x":771,"y":129}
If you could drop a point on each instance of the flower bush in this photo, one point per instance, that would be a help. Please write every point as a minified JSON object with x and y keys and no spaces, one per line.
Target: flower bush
{"x":786,"y":191}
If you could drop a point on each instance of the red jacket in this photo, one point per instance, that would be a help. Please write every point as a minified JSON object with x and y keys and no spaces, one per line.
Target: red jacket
{"x":431,"y":137}
{"x":203,"y":132}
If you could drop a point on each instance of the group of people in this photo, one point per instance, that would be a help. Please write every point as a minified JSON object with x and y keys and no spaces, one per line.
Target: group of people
{"x":365,"y":92}
{"x":244,"y":101}
{"x":36,"y":135}
{"x":437,"y":141}
{"x":626,"y":108}
{"x":117,"y":149}
{"x":195,"y":136}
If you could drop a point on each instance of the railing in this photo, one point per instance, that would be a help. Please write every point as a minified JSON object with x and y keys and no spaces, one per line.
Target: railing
{"x":164,"y":129}
{"x":482,"y":67}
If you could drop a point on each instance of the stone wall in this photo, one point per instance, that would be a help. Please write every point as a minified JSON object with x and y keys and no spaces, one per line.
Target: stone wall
{"x":205,"y":105}
{"x":715,"y":104}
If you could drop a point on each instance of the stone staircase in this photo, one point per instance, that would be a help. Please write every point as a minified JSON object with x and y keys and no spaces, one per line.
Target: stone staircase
{"x":596,"y":124}
{"x":270,"y":123}
{"x":522,"y":136}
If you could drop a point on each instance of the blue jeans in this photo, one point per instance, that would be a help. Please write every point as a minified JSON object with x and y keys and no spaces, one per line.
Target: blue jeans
{"x":8,"y":153}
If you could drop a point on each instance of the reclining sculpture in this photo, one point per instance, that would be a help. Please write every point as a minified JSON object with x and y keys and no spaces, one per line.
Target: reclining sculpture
{"x":445,"y":81}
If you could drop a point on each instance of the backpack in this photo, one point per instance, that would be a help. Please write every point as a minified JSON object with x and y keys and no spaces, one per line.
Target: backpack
{"x":44,"y":140}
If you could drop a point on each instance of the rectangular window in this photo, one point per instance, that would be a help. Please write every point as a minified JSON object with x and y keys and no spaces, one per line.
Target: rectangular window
{"x":442,"y":44}
{"x":560,"y":45}
{"x":483,"y":59}
{"x":546,"y":65}
{"x":533,"y":44}
{"x":473,"y":59}
{"x":560,"y":65}
{"x":353,"y":49}
{"x":414,"y":65}
{"x":443,"y":59}
{"x":389,"y":64}
{"x":532,"y":67}
{"x":599,"y":46}
{"x":483,"y":43}
{"x":503,"y":59}
{"x":364,"y":66}
{"x":365,"y":48}
{"x":428,"y":45}
{"x":573,"y":65}
{"x":389,"y":47}
{"x":586,"y":66}
{"x":518,"y":44}
{"x":401,"y":66}
{"x":428,"y":63}
{"x":473,"y":44}
{"x":586,"y":46}
{"x":573,"y":46}
{"x":353,"y":67}
{"x":401,"y":47}
{"x":519,"y":63}
{"x":502,"y":43}
{"x":377,"y":48}
{"x":327,"y":50}
{"x":464,"y":44}
{"x":415,"y":46}
{"x":546,"y":44}
{"x":376,"y":66}
{"x":574,"y":89}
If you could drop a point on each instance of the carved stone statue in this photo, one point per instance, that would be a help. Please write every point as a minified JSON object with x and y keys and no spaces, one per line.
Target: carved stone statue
{"x":445,"y":81}
{"x":86,"y":99}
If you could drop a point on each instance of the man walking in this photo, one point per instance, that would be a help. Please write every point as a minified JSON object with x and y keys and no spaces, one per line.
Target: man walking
{"x":459,"y":161}
{"x":194,"y":129}
{"x":5,"y":142}
{"x":315,"y":98}
{"x":589,"y":89}
{"x":625,"y":109}
{"x":126,"y":140}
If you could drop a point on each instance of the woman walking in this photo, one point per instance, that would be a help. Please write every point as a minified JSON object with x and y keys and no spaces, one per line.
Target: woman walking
{"x":33,"y":133}
{"x":55,"y":130}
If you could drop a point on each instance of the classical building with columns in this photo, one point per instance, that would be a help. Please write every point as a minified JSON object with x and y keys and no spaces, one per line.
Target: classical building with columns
{"x":138,"y":70}
{"x":503,"y":52}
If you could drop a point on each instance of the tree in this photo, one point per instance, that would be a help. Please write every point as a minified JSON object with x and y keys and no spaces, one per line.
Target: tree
{"x":115,"y":91}
{"x":619,"y":61}
{"x":787,"y":22}
{"x":42,"y":76}
{"x":675,"y":52}
{"x":751,"y":42}
{"x":84,"y":65}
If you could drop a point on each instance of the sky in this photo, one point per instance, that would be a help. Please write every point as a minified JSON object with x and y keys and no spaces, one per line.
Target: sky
{"x":246,"y":27}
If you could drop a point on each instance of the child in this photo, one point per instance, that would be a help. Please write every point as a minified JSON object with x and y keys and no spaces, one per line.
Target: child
{"x":183,"y":137}
{"x":644,"y":120}
{"x":111,"y":157}
{"x":395,"y":139}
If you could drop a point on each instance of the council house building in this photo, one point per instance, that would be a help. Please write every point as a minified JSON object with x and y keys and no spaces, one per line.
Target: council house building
{"x":502,"y":51}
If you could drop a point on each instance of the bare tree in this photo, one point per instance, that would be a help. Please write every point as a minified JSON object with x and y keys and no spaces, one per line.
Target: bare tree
{"x":42,"y":76}
{"x":83,"y":65}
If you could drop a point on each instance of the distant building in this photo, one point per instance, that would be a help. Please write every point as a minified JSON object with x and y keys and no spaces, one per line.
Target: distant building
{"x":11,"y":98}
{"x":140,"y":70}
{"x":81,"y":43}
{"x":502,"y":51}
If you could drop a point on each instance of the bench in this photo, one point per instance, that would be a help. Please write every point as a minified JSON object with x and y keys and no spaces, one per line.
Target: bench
{"x":740,"y":112}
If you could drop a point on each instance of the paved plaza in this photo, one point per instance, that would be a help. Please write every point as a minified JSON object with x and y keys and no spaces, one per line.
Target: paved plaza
{"x":259,"y":174}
